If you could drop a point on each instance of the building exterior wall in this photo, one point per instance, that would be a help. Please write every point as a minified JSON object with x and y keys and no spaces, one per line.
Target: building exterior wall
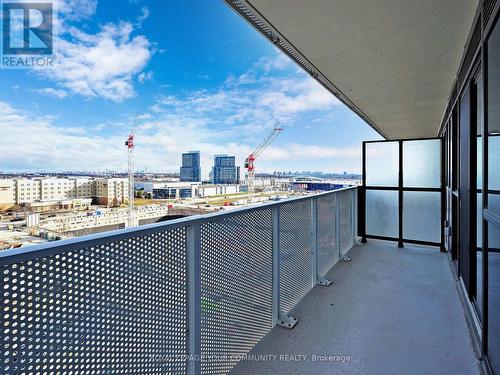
{"x":7,"y":194}
{"x":84,"y":188}
{"x":190,"y":170}
{"x":147,"y":187}
{"x":57,"y":189}
{"x":213,"y":190}
{"x":111,"y":191}
{"x":170,"y":190}
{"x":101,"y":218}
{"x":28,"y":190}
{"x":224,"y":170}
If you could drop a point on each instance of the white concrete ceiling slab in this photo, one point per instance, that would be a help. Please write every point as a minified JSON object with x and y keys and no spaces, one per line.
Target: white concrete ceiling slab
{"x":394,"y":60}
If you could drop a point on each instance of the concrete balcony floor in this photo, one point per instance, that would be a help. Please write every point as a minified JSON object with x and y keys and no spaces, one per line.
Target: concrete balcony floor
{"x":392,"y":311}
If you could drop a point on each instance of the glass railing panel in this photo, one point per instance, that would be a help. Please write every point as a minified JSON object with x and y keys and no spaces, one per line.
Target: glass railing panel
{"x":382,"y":164}
{"x":421,"y":163}
{"x":422,"y":215}
{"x":382,"y":213}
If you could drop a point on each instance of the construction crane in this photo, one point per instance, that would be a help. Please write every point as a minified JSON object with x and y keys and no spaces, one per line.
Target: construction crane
{"x":131,"y":189}
{"x":249,"y":161}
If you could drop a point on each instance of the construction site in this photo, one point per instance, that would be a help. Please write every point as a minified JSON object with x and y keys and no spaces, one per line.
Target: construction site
{"x":44,"y":208}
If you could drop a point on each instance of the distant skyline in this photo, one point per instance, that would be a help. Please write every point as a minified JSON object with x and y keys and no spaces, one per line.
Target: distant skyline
{"x":198,"y":75}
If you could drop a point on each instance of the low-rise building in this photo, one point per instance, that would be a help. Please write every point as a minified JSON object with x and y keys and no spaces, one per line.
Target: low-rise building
{"x":65,"y":204}
{"x":207,"y":190}
{"x":181,"y":190}
{"x":168,"y":190}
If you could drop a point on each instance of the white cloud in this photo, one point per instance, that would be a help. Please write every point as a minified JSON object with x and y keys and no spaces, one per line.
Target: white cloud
{"x":251,"y":102}
{"x":75,"y":10}
{"x":103,"y":64}
{"x":145,"y":76}
{"x":53,"y":92}
{"x":144,"y":16}
{"x":49,"y":147}
{"x":277,"y":62}
{"x":230,"y":119}
{"x":159,"y":144}
{"x":144,"y":116}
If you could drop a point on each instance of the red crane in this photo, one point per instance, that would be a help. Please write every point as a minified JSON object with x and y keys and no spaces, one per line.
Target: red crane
{"x":131,"y":188}
{"x":249,"y":161}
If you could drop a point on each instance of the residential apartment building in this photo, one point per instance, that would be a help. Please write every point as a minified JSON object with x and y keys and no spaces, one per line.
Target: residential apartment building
{"x":28,"y":191}
{"x":190,"y":170}
{"x":225,"y":170}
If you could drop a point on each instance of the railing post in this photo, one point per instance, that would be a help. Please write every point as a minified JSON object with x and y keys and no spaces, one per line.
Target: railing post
{"x":194,"y":297}
{"x":337,"y":224}
{"x":400,"y":195}
{"x":362,"y":200}
{"x":353,"y":202}
{"x":317,"y":279}
{"x":279,"y":318}
{"x":276,"y":263}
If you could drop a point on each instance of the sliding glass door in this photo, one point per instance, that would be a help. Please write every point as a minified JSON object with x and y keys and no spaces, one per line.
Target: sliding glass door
{"x":491,"y":196}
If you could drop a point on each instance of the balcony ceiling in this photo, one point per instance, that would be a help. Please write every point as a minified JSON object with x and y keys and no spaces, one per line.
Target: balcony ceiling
{"x":392,"y":61}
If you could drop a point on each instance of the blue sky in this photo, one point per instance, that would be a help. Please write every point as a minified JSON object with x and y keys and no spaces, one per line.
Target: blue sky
{"x":198,"y":75}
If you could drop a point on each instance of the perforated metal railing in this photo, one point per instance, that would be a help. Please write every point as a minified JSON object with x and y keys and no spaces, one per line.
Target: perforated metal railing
{"x":190,"y":296}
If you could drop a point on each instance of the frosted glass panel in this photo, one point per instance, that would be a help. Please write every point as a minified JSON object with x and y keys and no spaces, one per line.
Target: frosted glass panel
{"x":479,"y":169}
{"x":422,"y":163}
{"x":494,"y":205}
{"x":494,"y":298}
{"x":493,"y":173}
{"x":382,"y":164}
{"x":479,"y":216}
{"x":422,"y":216}
{"x":494,"y":163}
{"x":382,"y":213}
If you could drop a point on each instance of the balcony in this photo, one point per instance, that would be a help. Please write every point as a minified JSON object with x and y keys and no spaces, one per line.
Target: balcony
{"x":196,"y":295}
{"x":264,"y":289}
